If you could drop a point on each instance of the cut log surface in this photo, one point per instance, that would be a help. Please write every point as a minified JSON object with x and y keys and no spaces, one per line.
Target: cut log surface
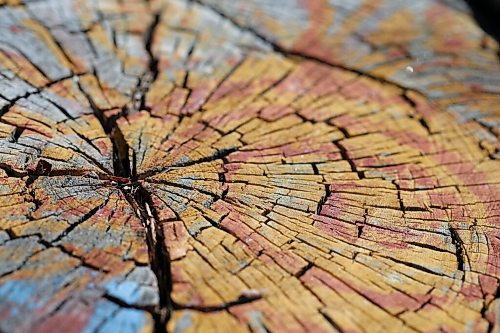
{"x":248,"y":166}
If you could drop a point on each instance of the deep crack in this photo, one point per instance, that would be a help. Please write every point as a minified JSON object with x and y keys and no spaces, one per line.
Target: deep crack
{"x":125,"y":178}
{"x":140,"y":200}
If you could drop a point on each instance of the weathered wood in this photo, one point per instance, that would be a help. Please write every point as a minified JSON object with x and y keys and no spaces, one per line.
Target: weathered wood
{"x":261,"y":166}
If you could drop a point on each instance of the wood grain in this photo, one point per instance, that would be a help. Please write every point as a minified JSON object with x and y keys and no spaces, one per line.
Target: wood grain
{"x":248,"y":166}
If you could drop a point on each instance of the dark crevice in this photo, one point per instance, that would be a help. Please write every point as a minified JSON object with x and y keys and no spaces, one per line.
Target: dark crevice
{"x":424,"y":124}
{"x":142,"y":203}
{"x":413,"y":105}
{"x":182,"y":186}
{"x":214,"y":224}
{"x":12,"y":172}
{"x":331,"y":322}
{"x":63,"y":111}
{"x":44,"y":168}
{"x":125,"y":178}
{"x":361,"y":225}
{"x":24,"y":128}
{"x":186,"y":74}
{"x":106,"y":123}
{"x":408,"y":100}
{"x":133,"y":172}
{"x":219,"y":154}
{"x":428,"y":246}
{"x":88,"y":156}
{"x":84,"y":218}
{"x":413,"y":265}
{"x":426,"y":302}
{"x":121,"y":160}
{"x":123,"y":304}
{"x":400,"y":200}
{"x":184,"y":84}
{"x":304,"y":270}
{"x":324,"y":198}
{"x":15,"y":134}
{"x":345,"y":156}
{"x":412,"y":208}
{"x":315,"y":168}
{"x":243,"y":299}
{"x":459,"y":249}
{"x":276,"y":83}
{"x":153,"y":61}
{"x":343,"y":151}
{"x":145,"y":82}
{"x":121,"y":163}
{"x":12,"y":102}
{"x":222,"y":177}
{"x":360,"y":230}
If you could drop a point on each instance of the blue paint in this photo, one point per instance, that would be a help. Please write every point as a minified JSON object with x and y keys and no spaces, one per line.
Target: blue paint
{"x":184,"y":322}
{"x":16,"y":296}
{"x":17,"y":291}
{"x":103,"y":311}
{"x":127,"y":291}
{"x":126,"y":321}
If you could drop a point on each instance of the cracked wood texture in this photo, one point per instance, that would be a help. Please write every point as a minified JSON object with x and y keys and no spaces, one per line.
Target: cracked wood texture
{"x":248,"y":166}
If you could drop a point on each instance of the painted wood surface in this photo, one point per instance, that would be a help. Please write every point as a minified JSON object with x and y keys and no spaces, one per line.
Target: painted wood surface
{"x":248,"y":166}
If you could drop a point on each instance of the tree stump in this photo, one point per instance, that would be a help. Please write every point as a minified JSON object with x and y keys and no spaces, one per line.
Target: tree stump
{"x":248,"y":166}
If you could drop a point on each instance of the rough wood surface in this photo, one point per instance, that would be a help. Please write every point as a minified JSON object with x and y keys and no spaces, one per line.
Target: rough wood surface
{"x":248,"y":166}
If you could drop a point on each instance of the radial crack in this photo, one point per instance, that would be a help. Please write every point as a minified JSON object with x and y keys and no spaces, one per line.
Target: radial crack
{"x":141,"y":201}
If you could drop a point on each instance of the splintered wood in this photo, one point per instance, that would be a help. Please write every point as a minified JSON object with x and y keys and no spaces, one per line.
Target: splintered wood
{"x":248,"y":166}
